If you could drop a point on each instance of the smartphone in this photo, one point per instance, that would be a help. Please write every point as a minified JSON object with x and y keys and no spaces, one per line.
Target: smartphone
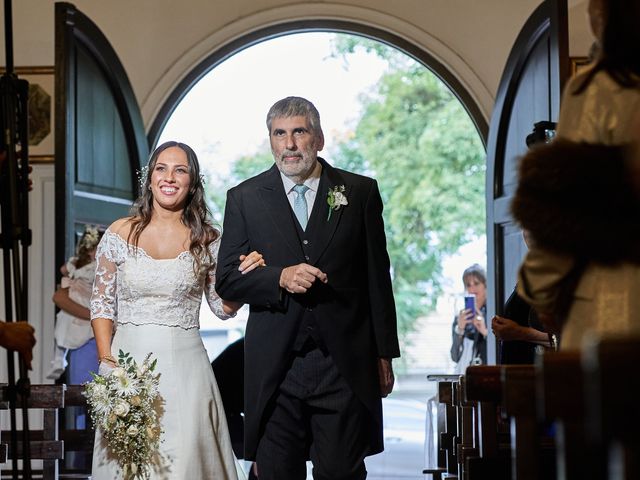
{"x":470,"y":304}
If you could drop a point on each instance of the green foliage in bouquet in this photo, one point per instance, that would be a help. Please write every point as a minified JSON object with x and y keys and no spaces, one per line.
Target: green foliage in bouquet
{"x":122,"y":406}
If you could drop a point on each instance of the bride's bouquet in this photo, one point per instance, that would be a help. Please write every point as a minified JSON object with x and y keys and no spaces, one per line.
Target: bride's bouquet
{"x":122,"y":406}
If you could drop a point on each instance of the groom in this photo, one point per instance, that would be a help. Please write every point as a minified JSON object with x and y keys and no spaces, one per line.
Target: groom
{"x":322,"y":328}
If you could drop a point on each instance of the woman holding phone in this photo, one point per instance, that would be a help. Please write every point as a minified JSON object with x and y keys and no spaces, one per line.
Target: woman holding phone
{"x":470,"y":331}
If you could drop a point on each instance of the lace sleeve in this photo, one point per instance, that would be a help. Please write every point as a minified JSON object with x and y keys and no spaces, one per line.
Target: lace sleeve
{"x":104,"y":301}
{"x":213,"y":299}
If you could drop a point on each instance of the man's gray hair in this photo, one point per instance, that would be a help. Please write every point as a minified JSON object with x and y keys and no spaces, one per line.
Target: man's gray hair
{"x":295,"y":107}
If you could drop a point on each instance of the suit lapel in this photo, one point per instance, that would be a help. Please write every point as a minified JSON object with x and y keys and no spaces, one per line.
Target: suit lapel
{"x":278,"y":208}
{"x":322,"y":226}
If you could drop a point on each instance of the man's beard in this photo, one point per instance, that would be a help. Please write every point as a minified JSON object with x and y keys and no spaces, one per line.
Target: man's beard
{"x":303,"y":167}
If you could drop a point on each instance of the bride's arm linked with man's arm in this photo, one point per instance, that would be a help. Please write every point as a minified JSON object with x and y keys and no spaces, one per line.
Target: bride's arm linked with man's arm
{"x":226,"y":308}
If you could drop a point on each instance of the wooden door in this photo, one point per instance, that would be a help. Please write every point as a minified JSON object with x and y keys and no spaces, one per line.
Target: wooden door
{"x":100,"y":138}
{"x":529,"y":92}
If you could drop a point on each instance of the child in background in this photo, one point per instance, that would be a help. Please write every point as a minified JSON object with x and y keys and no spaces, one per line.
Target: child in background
{"x":73,"y":326}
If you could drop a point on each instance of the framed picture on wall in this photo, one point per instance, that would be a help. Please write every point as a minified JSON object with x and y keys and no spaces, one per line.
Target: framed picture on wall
{"x":578,"y":63}
{"x":41,"y":115}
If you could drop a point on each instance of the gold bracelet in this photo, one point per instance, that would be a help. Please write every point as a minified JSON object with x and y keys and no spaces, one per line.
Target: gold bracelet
{"x":108,"y":357}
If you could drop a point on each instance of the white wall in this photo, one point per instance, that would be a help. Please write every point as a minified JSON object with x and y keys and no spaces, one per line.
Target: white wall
{"x":41,"y":273}
{"x":580,"y":36}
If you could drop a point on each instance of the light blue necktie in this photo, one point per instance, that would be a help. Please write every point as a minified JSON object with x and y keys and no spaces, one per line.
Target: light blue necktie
{"x":300,"y":205}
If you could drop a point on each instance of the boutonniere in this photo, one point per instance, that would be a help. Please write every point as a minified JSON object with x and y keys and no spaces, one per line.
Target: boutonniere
{"x":336,"y":198}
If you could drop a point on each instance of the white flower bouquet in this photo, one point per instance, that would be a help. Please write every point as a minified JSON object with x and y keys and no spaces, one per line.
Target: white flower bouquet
{"x":122,"y":406}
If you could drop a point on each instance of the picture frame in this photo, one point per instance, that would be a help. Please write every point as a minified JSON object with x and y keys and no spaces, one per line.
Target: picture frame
{"x":41,"y":111}
{"x":578,"y":63}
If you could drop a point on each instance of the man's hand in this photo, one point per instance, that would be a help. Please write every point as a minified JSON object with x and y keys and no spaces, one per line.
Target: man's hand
{"x":385,"y":372}
{"x":18,"y":336}
{"x":299,"y":278}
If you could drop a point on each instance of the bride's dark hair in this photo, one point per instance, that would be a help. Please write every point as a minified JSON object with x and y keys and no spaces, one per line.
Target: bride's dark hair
{"x":195,"y":214}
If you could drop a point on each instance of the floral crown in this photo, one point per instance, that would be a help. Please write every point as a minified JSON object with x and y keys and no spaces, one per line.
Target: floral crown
{"x":143,"y":173}
{"x":90,"y":238}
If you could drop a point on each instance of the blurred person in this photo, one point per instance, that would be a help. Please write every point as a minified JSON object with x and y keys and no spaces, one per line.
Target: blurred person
{"x":519,"y":332}
{"x":577,"y":195}
{"x":73,"y":327}
{"x":228,"y":368}
{"x":600,"y":102}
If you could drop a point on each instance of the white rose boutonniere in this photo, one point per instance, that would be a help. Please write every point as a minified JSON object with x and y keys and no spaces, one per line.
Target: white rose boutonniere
{"x":336,"y":198}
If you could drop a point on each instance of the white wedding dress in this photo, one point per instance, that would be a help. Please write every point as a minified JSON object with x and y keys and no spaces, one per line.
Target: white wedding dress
{"x":155,"y":305}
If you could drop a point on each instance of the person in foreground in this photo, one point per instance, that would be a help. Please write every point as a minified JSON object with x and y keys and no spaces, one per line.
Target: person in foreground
{"x":322,"y":328}
{"x":151,"y":271}
{"x":578,"y":196}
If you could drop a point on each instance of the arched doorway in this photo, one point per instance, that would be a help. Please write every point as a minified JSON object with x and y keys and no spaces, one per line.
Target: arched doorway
{"x":227,"y":50}
{"x":221,"y":59}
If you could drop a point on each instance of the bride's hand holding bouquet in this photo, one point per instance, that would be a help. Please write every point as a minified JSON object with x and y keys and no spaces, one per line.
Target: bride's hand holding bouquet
{"x":121,"y":401}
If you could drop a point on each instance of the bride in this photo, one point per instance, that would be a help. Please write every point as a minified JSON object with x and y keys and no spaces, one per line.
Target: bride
{"x":151,"y":271}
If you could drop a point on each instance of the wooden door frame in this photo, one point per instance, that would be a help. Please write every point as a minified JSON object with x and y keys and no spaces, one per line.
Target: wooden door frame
{"x":549,"y":17}
{"x":71,"y":23}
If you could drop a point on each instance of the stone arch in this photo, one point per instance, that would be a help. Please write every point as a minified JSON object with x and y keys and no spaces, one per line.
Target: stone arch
{"x":245,"y":32}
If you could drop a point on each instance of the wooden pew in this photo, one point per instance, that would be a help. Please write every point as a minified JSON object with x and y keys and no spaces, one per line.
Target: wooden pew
{"x":561,"y":399}
{"x":483,"y":388}
{"x":612,"y":413}
{"x":77,"y":440}
{"x":467,"y":428}
{"x":44,"y":444}
{"x":448,"y":438}
{"x":510,"y":442}
{"x":3,"y":442}
{"x":532,"y":449}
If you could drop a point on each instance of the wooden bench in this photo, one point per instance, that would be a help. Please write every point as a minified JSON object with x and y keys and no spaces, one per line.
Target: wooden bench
{"x":483,"y":388}
{"x":612,"y":414}
{"x":44,"y":444}
{"x":532,"y":448}
{"x":561,"y":399}
{"x":447,"y":465}
{"x":76,"y":441}
{"x":467,"y":428}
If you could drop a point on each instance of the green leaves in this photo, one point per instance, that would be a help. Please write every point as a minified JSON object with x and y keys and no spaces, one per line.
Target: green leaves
{"x":243,"y":168}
